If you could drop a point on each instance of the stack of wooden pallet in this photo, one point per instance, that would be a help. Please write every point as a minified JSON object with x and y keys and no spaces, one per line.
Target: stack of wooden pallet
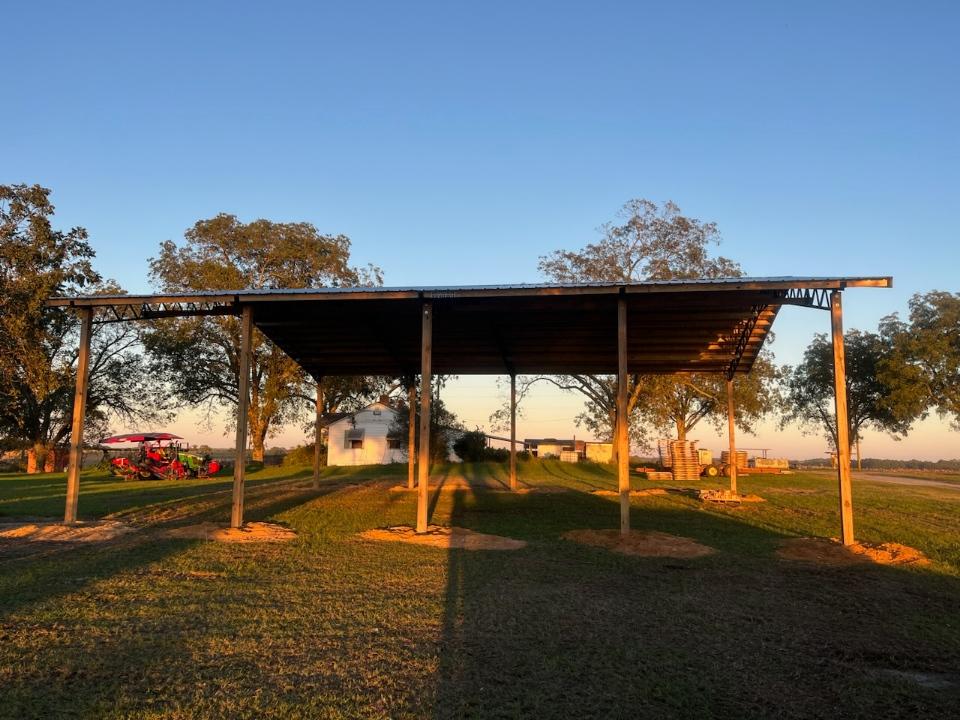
{"x":741,"y":458}
{"x":684,"y":460}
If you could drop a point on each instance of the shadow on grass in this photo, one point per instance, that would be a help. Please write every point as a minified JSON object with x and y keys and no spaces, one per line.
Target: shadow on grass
{"x":102,"y":495}
{"x":25,"y":582}
{"x":562,"y":630}
{"x":172,"y":627}
{"x":68,"y":568}
{"x":602,"y":477}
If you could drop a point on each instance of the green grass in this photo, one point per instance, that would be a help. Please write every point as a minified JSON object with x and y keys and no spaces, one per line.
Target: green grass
{"x":103,"y":494}
{"x":330,"y":626}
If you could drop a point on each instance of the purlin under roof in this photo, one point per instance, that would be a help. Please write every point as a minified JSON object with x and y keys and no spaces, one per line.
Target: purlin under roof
{"x":701,"y":325}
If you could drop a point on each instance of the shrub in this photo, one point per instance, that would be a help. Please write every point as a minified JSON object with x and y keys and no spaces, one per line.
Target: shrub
{"x":303,"y":455}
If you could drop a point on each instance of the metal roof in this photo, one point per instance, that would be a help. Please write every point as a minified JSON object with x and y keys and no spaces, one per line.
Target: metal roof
{"x":703,"y":325}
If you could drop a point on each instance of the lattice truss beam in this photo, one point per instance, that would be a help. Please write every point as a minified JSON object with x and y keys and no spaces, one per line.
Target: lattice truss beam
{"x":806,"y":297}
{"x":740,"y":339}
{"x":121,"y":312}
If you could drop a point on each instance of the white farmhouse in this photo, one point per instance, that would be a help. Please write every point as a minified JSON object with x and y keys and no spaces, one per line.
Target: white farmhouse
{"x":360,"y":438}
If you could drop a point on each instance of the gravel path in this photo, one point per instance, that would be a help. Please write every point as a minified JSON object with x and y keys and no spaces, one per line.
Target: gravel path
{"x":901,"y":480}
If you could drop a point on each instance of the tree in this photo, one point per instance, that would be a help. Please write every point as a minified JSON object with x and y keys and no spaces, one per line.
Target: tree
{"x":809,"y":389}
{"x":922,"y":372}
{"x":678,"y":403}
{"x":445,"y":427}
{"x":600,"y":411}
{"x":656,"y":243}
{"x":38,"y":345}
{"x":653,"y":243}
{"x":471,"y":446}
{"x":199,"y":357}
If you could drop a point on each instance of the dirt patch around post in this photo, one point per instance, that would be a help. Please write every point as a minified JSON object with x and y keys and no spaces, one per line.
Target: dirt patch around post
{"x":444,"y":537}
{"x":830,"y":552}
{"x":648,"y":543}
{"x":252,"y":532}
{"x":58,"y":532}
{"x":726,"y":496}
{"x":633,"y":493}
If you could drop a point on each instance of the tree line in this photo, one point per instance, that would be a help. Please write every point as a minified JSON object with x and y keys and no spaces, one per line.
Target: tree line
{"x":144,"y":373}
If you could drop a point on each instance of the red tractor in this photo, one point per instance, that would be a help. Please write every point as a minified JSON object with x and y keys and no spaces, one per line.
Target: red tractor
{"x":158,"y":456}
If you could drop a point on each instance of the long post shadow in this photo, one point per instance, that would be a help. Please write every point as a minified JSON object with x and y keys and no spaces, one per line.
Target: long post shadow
{"x":563,"y":630}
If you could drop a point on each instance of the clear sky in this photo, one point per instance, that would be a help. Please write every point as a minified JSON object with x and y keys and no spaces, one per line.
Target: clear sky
{"x":455,"y":143}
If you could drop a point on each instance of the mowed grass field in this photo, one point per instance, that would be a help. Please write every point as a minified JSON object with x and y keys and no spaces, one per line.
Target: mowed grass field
{"x":332,"y":626}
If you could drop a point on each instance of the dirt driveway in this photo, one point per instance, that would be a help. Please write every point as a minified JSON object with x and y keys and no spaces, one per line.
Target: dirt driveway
{"x":901,"y":480}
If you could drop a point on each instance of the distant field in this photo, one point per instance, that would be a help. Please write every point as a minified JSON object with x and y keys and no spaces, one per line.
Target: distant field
{"x":940,"y":476}
{"x":331,"y":626}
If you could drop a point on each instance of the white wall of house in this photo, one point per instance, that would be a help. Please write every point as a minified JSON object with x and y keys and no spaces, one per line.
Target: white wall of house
{"x":362,"y":438}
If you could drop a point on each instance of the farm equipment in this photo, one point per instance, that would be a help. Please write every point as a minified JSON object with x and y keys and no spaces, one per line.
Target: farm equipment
{"x":158,"y":456}
{"x":685,"y":461}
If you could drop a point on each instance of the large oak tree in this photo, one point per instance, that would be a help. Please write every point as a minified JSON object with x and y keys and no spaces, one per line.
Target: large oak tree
{"x":38,"y":345}
{"x":651,"y":242}
{"x":809,"y":389}
{"x":922,"y":370}
{"x":199,"y":357}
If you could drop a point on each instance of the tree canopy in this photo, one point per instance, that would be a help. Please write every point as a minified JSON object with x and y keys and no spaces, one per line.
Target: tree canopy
{"x":445,"y":427}
{"x":809,"y":389}
{"x":199,"y":357}
{"x":922,"y":371}
{"x":38,"y":345}
{"x":651,"y":242}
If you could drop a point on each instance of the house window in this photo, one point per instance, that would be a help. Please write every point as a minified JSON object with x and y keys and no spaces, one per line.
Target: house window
{"x":393,"y":443}
{"x":378,"y":411}
{"x":353,"y":439}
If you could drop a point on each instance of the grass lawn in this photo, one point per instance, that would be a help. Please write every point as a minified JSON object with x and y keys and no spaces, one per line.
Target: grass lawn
{"x":331,"y":626}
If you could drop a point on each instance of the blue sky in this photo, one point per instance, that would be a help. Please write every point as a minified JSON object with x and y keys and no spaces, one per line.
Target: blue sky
{"x":455,"y":143}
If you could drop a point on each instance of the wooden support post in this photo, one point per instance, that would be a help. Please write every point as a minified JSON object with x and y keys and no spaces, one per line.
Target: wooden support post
{"x":426,"y":383}
{"x":513,"y":431}
{"x":79,"y":410}
{"x":243,"y":397}
{"x":843,"y":425}
{"x":623,"y":422}
{"x":731,"y":434}
{"x":412,"y":433}
{"x":316,"y":436}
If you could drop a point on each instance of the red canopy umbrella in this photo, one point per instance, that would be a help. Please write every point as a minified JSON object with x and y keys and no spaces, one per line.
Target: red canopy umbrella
{"x":140,"y":437}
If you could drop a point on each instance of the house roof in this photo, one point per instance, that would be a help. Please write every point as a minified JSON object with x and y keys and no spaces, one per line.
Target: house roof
{"x":716,"y":325}
{"x":550,"y":441}
{"x":328,"y":419}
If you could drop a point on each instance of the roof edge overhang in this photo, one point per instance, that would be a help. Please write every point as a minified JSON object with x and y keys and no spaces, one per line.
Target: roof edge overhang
{"x":237,"y":297}
{"x":699,"y":325}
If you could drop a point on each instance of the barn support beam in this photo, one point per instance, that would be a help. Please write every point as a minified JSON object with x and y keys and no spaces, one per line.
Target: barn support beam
{"x":623,"y":422}
{"x":426,"y":383}
{"x":732,"y":436}
{"x":316,"y":438}
{"x":412,"y":433}
{"x":513,"y":431}
{"x":843,"y":424}
{"x":79,"y":410}
{"x":243,"y":402}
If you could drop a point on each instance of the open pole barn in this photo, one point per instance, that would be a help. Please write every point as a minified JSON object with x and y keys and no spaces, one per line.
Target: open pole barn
{"x":656,"y":327}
